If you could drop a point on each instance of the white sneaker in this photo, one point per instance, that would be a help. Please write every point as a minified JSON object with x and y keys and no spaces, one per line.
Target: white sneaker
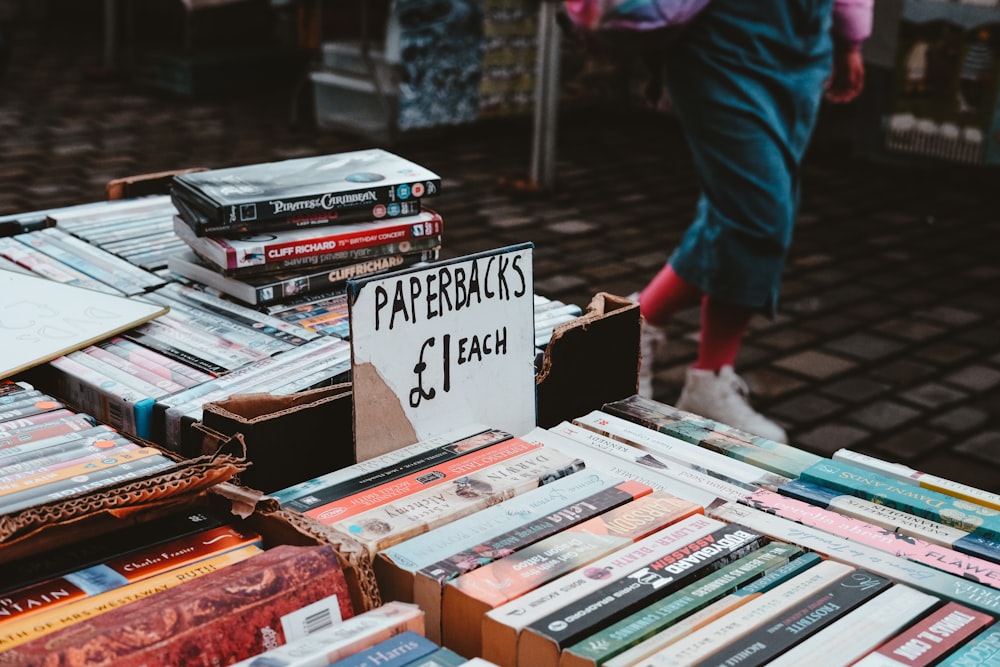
{"x":724,"y":398}
{"x":652,"y":340}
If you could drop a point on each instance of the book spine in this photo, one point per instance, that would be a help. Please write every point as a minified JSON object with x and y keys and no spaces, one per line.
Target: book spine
{"x":911,"y":498}
{"x":503,"y":625}
{"x":714,"y":611}
{"x":18,"y":444}
{"x":921,"y":577}
{"x":429,"y":582}
{"x":684,"y":453}
{"x":983,"y":650}
{"x":392,"y":523}
{"x":542,"y":642}
{"x":378,"y":211}
{"x":16,"y":424}
{"x":22,"y":631}
{"x":111,"y":402}
{"x":799,"y":622}
{"x":398,"y":651}
{"x":29,"y":407}
{"x":938,"y":557}
{"x":340,"y":641}
{"x":39,"y":263}
{"x":169,"y":369}
{"x":336,"y":504}
{"x":139,"y":371}
{"x":395,"y":464}
{"x":122,"y":571}
{"x":616,"y":638}
{"x":906,"y":474}
{"x":64,"y":456}
{"x":178,"y":353}
{"x":115,"y":373}
{"x":929,"y":640}
{"x":860,"y":631}
{"x":123,"y":283}
{"x":778,"y":458}
{"x":669,"y":469}
{"x":721,"y":632}
{"x":387,"y":469}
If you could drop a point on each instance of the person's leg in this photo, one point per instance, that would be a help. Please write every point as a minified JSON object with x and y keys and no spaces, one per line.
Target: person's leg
{"x":665,"y":295}
{"x":722,"y":328}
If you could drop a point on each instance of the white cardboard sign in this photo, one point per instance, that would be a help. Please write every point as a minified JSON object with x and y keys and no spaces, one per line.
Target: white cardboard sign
{"x":442,"y":345}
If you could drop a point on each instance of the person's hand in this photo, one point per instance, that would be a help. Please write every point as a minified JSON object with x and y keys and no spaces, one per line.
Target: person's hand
{"x":848,"y":76}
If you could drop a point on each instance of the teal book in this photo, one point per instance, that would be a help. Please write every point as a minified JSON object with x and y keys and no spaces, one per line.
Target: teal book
{"x":397,"y":651}
{"x":443,"y":657}
{"x":983,"y":650}
{"x":862,"y":483}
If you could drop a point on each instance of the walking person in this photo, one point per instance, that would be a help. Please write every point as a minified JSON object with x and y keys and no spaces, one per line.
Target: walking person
{"x":746,"y":80}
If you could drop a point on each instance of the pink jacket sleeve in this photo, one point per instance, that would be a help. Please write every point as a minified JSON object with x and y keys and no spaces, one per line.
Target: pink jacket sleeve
{"x":852,"y":20}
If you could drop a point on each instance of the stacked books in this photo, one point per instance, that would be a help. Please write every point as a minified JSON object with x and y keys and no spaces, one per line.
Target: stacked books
{"x":680,"y":542}
{"x":264,"y":233}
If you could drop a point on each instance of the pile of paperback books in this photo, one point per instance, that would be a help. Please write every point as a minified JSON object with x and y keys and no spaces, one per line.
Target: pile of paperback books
{"x":267,"y":232}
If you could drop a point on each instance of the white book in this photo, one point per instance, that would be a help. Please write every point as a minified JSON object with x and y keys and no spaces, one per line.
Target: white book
{"x":736,"y":624}
{"x":860,"y":631}
{"x":689,"y":476}
{"x":683,"y":453}
{"x":921,"y":577}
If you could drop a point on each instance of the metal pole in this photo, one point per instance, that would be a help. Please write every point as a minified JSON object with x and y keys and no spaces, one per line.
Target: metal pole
{"x":546,"y":97}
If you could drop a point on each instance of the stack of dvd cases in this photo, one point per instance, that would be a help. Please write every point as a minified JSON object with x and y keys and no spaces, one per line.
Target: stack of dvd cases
{"x":264,"y":233}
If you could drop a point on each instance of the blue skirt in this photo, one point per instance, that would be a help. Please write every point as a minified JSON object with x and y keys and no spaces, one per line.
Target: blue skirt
{"x":746,"y":82}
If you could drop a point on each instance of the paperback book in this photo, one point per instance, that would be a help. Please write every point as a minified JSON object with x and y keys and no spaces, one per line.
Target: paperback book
{"x":303,"y":189}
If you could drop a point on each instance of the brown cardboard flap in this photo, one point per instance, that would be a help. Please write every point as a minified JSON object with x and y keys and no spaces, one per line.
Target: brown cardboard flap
{"x":113,"y":504}
{"x":288,"y":439}
{"x":590,"y":361}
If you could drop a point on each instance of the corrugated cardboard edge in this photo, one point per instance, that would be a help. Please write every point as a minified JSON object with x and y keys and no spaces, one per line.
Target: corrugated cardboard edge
{"x":176,"y":485}
{"x":354,"y":557}
{"x":601,"y":306}
{"x":254,"y":407}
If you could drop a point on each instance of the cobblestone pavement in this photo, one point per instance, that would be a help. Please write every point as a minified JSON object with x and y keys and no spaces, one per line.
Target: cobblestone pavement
{"x":888,"y":334}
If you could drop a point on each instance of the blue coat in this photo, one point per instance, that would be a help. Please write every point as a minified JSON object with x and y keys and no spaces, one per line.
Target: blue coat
{"x":746,"y":81}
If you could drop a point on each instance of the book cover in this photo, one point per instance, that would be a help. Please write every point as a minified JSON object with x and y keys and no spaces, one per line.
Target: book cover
{"x":930,"y":639}
{"x":921,"y":577}
{"x":860,"y":631}
{"x":428,"y":584}
{"x":265,"y":289}
{"x":417,"y":513}
{"x":800,"y":621}
{"x":731,"y":627}
{"x":309,"y":186}
{"x":123,"y":570}
{"x":893,"y":519}
{"x":542,"y":641}
{"x":981,"y":651}
{"x":618,"y":637}
{"x":469,"y":597}
{"x":344,"y":639}
{"x":398,"y":651}
{"x":443,"y":657}
{"x":502,"y":626}
{"x":778,"y":458}
{"x":907,"y":474}
{"x":699,"y":619}
{"x":679,"y":451}
{"x":850,"y":479}
{"x":936,"y":556}
{"x":512,"y":521}
{"x":227,"y":615}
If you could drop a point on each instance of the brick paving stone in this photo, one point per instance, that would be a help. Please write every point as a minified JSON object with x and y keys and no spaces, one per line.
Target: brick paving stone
{"x":855,"y":389}
{"x":786,"y":339}
{"x":767,"y":383}
{"x":984,"y":446}
{"x":945,"y":353}
{"x":830,"y":325}
{"x":986,"y":337}
{"x":559,"y":284}
{"x":910,"y":329}
{"x":864,"y":346}
{"x":902,"y":372}
{"x":805,"y":407}
{"x":828,"y":438}
{"x":976,"y":377}
{"x":932,"y":395}
{"x":962,"y":419}
{"x":950,"y":316}
{"x":883,"y":415}
{"x":908,"y":444}
{"x":815,"y":364}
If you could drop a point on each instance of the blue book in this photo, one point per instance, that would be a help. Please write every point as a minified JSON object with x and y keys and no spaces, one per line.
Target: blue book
{"x":443,"y":657}
{"x":403,"y":649}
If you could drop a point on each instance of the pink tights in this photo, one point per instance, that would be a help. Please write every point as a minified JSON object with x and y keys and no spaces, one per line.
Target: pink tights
{"x":722,"y":324}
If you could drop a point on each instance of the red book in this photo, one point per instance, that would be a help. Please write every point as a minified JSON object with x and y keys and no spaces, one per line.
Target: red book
{"x":222,"y":617}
